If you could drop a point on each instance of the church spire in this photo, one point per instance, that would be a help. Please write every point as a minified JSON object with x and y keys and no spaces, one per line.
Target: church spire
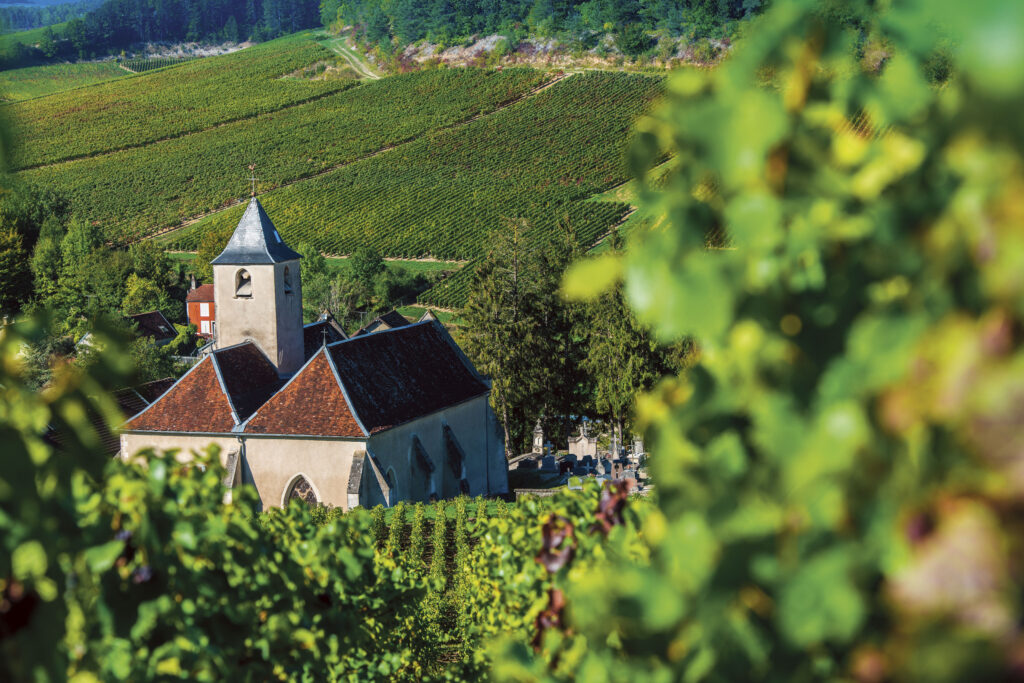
{"x":255,"y":241}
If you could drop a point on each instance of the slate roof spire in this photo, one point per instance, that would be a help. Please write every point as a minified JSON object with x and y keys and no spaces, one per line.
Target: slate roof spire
{"x":255,"y":241}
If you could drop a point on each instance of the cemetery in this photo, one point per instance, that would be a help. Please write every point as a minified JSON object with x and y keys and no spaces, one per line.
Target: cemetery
{"x":547,"y":469}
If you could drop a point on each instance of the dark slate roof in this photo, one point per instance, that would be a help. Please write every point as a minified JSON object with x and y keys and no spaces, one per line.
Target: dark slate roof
{"x":130,"y":401}
{"x":388,"y":321}
{"x":153,"y":324}
{"x":200,"y":293}
{"x":249,"y":377}
{"x":255,"y":241}
{"x":218,"y":393}
{"x":401,"y":374}
{"x":313,"y":335}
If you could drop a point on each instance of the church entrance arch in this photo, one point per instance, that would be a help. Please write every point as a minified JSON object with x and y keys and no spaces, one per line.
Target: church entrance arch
{"x":300,"y":488}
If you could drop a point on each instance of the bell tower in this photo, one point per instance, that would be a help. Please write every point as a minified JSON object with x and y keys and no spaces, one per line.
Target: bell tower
{"x":257,"y":291}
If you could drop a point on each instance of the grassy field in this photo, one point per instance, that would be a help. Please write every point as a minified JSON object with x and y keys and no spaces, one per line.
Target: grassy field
{"x":36,"y":81}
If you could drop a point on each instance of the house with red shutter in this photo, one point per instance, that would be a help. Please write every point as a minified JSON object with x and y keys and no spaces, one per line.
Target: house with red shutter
{"x":302,"y":412}
{"x":201,"y":309}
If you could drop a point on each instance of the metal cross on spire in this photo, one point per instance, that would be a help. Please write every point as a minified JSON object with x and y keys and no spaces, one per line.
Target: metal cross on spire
{"x":252,"y":178}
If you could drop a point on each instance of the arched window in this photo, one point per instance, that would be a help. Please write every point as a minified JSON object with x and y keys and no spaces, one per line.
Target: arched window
{"x":300,"y":489}
{"x":243,"y":284}
{"x":287,"y":280}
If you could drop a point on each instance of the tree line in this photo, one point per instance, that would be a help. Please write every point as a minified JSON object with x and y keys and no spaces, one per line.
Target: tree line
{"x":23,"y":18}
{"x":406,"y":21}
{"x":119,"y":24}
{"x":60,"y":268}
{"x":550,"y":359}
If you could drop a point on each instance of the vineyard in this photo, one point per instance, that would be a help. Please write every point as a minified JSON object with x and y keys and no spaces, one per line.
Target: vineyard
{"x":166,"y":103}
{"x":38,"y":81}
{"x":441,"y":194}
{"x":135,"y":191}
{"x":141,"y":64}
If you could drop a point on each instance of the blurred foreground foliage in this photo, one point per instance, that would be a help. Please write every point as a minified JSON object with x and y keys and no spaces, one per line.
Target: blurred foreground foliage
{"x":841,"y":475}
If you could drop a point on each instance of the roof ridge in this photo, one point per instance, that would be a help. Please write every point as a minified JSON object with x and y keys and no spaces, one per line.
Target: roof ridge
{"x":283,"y":387}
{"x":224,"y":388}
{"x":390,"y":329}
{"x":344,"y":392}
{"x":169,"y":389}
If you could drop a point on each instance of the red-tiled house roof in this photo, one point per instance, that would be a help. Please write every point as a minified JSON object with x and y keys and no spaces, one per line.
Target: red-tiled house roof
{"x":397,"y":375}
{"x":200,"y":293}
{"x":220,"y":392}
{"x":312,"y":403}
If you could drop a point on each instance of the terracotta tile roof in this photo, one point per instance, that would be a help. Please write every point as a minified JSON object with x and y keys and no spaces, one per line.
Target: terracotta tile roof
{"x":398,"y":375}
{"x":153,"y":324}
{"x":312,"y":403}
{"x":388,"y":321}
{"x":248,"y":375}
{"x":200,"y":293}
{"x":195,"y":404}
{"x":238,"y":378}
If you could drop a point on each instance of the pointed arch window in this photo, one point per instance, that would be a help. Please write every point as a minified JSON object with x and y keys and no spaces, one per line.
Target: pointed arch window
{"x":287,"y":280}
{"x":243,"y":284}
{"x":301,"y":489}
{"x":392,"y":480}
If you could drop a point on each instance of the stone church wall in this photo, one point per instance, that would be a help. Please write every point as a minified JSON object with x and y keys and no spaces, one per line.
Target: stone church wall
{"x":474,"y":428}
{"x":272,"y":464}
{"x":186,"y":443}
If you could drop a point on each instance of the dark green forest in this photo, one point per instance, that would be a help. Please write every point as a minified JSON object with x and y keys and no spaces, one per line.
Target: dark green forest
{"x":444,"y":20}
{"x":120,"y":24}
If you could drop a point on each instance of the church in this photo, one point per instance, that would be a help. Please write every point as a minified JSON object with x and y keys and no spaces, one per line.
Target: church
{"x":302,"y":411}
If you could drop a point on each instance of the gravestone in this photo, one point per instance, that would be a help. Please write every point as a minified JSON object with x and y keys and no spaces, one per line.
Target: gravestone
{"x":538,"y":438}
{"x":547,"y":464}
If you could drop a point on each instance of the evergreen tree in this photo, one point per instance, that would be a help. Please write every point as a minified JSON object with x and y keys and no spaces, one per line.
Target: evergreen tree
{"x":231,"y":29}
{"x":622,"y":358}
{"x":503,"y":335}
{"x":15,"y":274}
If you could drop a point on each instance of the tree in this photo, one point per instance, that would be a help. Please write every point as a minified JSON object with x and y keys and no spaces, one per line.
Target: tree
{"x":15,"y":273}
{"x":47,"y":43}
{"x":503,"y":335}
{"x":141,"y":295}
{"x":365,"y":265}
{"x":633,"y":40}
{"x":46,"y":266}
{"x":622,"y":358}
{"x":231,"y":29}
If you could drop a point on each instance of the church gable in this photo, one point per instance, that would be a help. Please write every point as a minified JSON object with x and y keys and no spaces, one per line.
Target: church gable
{"x":398,"y":375}
{"x":196,"y":403}
{"x":311,"y":404}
